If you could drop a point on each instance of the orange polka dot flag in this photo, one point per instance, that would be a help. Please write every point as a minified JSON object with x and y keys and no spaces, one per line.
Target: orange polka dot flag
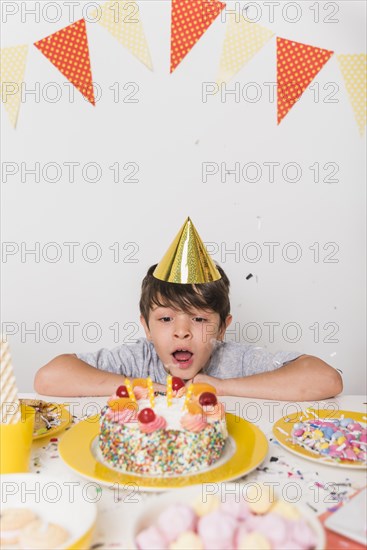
{"x":190,"y":19}
{"x":68,"y":50}
{"x":297,"y":66}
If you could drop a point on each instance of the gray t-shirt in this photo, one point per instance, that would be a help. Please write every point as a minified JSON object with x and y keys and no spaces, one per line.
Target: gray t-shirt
{"x":228,"y":360}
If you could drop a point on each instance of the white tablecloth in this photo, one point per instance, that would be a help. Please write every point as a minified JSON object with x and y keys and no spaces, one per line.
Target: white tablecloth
{"x":318,"y":486}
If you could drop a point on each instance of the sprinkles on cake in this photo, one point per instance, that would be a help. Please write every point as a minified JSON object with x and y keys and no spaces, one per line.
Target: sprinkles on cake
{"x":146,"y":434}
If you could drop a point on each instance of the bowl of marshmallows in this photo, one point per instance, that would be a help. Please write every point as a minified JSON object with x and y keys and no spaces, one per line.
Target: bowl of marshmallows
{"x":226,"y":516}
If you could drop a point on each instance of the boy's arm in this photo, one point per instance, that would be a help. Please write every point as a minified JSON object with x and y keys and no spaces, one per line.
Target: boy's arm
{"x":68,"y":376}
{"x":304,"y":379}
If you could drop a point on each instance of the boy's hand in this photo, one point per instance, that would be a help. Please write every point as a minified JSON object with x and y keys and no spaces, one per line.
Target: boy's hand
{"x":204,"y":379}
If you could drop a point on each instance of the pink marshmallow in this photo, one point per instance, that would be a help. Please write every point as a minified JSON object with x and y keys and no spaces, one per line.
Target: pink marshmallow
{"x":175,"y":520}
{"x":302,"y":534}
{"x":274,"y":527}
{"x":217,"y":531}
{"x":235,"y":506}
{"x":241,"y":532}
{"x":253,"y":521}
{"x":151,"y":539}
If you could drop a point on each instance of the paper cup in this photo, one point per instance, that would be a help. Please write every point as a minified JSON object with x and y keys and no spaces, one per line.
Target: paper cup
{"x":16,"y":442}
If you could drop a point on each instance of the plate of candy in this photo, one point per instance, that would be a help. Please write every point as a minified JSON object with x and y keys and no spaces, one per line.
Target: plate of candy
{"x":336,"y":438}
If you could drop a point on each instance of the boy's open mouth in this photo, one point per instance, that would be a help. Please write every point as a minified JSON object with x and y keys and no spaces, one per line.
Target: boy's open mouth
{"x":182,"y":357}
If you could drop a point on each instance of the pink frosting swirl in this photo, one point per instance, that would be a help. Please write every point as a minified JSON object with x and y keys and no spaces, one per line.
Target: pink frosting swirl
{"x":140,"y":392}
{"x":157,"y":424}
{"x":122,"y":416}
{"x":193,"y":422}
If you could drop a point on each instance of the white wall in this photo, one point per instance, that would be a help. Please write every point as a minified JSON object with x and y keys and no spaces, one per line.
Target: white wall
{"x":169,"y":134}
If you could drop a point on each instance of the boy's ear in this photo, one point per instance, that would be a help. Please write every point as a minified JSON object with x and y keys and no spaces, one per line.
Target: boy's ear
{"x":228,"y":321}
{"x":146,"y":328}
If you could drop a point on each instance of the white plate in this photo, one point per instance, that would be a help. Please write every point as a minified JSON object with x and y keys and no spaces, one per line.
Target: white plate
{"x":350,"y":519}
{"x":59,"y":500}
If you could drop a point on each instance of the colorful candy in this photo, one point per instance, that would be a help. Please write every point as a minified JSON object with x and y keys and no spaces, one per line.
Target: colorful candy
{"x":338,"y":439}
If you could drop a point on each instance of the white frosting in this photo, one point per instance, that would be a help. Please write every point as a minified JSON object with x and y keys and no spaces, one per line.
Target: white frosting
{"x":171,"y":414}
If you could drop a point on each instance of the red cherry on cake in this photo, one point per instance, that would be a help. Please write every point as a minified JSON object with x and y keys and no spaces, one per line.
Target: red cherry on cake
{"x":146,"y":415}
{"x":177,"y":383}
{"x":122,"y":391}
{"x":207,"y":398}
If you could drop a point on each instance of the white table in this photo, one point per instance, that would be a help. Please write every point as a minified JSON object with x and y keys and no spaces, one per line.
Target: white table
{"x":318,"y":486}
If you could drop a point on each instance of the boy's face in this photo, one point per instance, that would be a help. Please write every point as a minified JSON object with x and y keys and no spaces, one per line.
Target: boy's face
{"x":184,"y":341}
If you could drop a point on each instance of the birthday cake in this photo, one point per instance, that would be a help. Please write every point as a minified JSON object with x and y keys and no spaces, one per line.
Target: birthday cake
{"x":182,"y":432}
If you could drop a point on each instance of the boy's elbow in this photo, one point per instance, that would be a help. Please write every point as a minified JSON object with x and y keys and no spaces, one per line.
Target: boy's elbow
{"x":47,"y":377}
{"x":40,"y":380}
{"x":337,"y":382}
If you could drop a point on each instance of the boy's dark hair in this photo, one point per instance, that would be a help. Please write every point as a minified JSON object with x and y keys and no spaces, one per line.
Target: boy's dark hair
{"x":213,"y":295}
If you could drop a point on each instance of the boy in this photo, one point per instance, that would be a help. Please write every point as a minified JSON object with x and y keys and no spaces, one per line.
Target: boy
{"x":185,"y":311}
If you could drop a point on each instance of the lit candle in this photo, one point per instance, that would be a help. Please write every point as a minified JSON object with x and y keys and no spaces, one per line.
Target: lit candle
{"x":150,"y":392}
{"x":169,"y":391}
{"x":130,"y":390}
{"x":188,"y":395}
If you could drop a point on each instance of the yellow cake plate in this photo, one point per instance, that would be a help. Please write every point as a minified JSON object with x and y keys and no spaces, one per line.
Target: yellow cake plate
{"x":283,"y":427}
{"x":249,"y":449}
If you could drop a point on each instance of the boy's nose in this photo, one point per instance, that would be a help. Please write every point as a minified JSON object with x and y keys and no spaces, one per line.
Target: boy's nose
{"x":182,"y":330}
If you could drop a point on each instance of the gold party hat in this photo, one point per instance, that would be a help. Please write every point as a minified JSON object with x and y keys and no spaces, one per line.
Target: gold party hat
{"x":187,"y":260}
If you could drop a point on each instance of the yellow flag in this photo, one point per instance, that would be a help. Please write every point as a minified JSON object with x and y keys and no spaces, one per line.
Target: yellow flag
{"x":242,"y":41}
{"x":353,"y":68}
{"x":12,"y":69}
{"x":122,"y":19}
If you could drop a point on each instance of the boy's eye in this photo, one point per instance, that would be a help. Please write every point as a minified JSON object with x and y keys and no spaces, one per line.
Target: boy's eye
{"x":165,"y":319}
{"x":199,"y":319}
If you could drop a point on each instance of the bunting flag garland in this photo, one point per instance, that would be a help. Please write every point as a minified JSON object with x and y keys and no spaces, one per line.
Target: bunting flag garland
{"x":68,"y":50}
{"x":122,"y":19}
{"x":354,"y":70}
{"x":242,"y":41}
{"x":189,"y":21}
{"x":12,"y":69}
{"x":297,"y":66}
{"x":297,"y":63}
